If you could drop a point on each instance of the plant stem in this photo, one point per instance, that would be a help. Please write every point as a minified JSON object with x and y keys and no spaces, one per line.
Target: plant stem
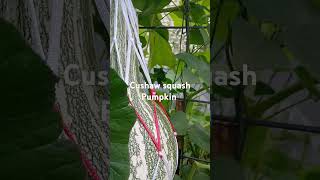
{"x":286,"y":108}
{"x":196,"y":92}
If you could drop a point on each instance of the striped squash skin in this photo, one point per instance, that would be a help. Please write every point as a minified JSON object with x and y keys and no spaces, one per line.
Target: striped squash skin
{"x":142,"y":152}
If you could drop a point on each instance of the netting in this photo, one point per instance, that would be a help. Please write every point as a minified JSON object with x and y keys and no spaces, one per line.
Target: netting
{"x":62,"y":34}
{"x":147,"y":160}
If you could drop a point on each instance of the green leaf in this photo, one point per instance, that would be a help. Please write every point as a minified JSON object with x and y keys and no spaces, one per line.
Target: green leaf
{"x":176,"y":177}
{"x":223,"y":91}
{"x":152,"y":20}
{"x":29,"y":131}
{"x":197,"y":66}
{"x":201,"y":175}
{"x":227,"y":169}
{"x":189,"y":76}
{"x":256,"y":138}
{"x":11,"y":40}
{"x":199,"y":36}
{"x":164,"y":33}
{"x":228,"y":13}
{"x":259,"y":53}
{"x":205,"y":55}
{"x":198,"y":14}
{"x":122,"y":118}
{"x":189,"y":59}
{"x":263,"y":89}
{"x":57,"y":160}
{"x":199,"y":136}
{"x":180,"y":122}
{"x":148,"y":7}
{"x":280,"y":161}
{"x":269,"y":29}
{"x":143,"y":41}
{"x":308,"y":81}
{"x":177,"y":18}
{"x":160,"y":51}
{"x":196,"y":37}
{"x":311,"y":174}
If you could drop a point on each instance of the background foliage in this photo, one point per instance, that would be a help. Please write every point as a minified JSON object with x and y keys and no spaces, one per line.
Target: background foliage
{"x":277,"y":40}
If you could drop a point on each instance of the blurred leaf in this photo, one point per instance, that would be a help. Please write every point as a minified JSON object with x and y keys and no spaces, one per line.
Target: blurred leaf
{"x":148,"y":7}
{"x":262,"y":88}
{"x":122,"y":118}
{"x":30,"y":147}
{"x":269,"y":29}
{"x":185,"y":169}
{"x":201,"y":176}
{"x":228,"y":13}
{"x":11,"y":40}
{"x":223,"y":91}
{"x":176,"y":177}
{"x":280,"y":161}
{"x":205,"y":55}
{"x":256,"y":138}
{"x":180,"y":122}
{"x":258,"y":53}
{"x":199,"y":136}
{"x":197,"y":66}
{"x":283,"y":12}
{"x":308,"y":81}
{"x":316,"y":3}
{"x":227,"y":169}
{"x":189,"y":76}
{"x":311,"y":174}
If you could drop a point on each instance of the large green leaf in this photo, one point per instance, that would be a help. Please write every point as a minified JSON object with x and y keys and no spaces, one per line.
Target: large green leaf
{"x":198,"y":14}
{"x":176,"y":177}
{"x":308,"y":81}
{"x":197,"y":65}
{"x":229,"y":10}
{"x":29,"y":130}
{"x":160,"y":51}
{"x":189,"y":76}
{"x":199,"y":136}
{"x":177,"y":18}
{"x":201,"y":175}
{"x":148,"y":7}
{"x":122,"y":118}
{"x":180,"y":122}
